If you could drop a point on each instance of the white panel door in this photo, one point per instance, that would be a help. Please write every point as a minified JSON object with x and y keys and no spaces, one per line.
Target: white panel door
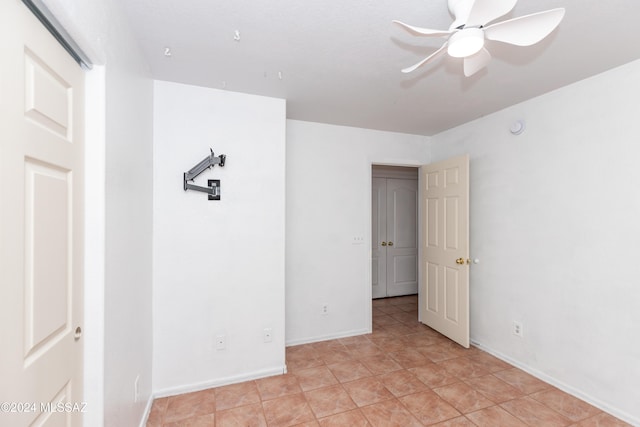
{"x":378,"y":237}
{"x":444,"y":246}
{"x":394,"y":237}
{"x":402,"y":237}
{"x":41,"y":224}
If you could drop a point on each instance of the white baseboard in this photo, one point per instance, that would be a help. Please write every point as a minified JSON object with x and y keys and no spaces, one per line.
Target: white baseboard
{"x":318,"y":338}
{"x":188,"y":388}
{"x":562,"y":386}
{"x":147,"y":411}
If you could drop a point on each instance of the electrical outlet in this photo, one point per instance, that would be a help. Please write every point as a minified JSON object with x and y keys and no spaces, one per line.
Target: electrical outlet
{"x":517,"y":329}
{"x":136,"y":389}
{"x":268,"y":335}
{"x":325,"y":309}
{"x":221,"y":342}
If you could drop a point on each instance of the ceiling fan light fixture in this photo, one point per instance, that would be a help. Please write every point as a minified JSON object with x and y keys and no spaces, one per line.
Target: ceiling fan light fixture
{"x":466,"y":42}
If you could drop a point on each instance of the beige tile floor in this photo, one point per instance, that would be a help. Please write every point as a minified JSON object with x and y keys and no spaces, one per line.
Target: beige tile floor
{"x":403,"y":374}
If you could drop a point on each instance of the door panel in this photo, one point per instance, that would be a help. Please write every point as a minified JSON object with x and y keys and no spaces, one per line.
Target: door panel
{"x":41,"y":222}
{"x":379,"y":235}
{"x":444,"y":221}
{"x":402,"y":237}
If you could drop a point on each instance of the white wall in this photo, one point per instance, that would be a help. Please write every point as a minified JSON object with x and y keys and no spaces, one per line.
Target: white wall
{"x":554,"y":220}
{"x":218,"y":265}
{"x":129,"y":218}
{"x":328,"y":204}
{"x":118,"y":329}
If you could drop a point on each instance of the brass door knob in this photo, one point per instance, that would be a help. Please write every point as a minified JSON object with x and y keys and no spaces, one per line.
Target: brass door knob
{"x":390,"y":243}
{"x":384,"y":243}
{"x":460,"y":261}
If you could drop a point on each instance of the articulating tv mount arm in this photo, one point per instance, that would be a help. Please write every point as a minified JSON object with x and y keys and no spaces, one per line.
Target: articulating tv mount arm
{"x":213,"y":190}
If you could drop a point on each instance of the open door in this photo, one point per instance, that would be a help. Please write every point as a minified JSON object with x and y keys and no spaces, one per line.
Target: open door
{"x":444,"y":248}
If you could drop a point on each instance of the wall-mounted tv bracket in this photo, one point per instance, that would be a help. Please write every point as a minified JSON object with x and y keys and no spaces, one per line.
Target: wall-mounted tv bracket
{"x":213,"y":189}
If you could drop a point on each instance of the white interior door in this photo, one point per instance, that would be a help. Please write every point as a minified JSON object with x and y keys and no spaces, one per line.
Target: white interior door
{"x":444,"y":247}
{"x":41,"y":224}
{"x":378,"y":237}
{"x":402,"y":237}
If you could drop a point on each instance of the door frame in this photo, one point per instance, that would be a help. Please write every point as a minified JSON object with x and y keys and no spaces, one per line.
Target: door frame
{"x":411,"y":163}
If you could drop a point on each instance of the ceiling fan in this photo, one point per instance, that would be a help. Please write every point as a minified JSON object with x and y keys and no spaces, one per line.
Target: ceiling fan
{"x":471,"y":27}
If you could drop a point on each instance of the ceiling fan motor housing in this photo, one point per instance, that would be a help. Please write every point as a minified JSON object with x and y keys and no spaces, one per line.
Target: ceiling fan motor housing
{"x":466,"y":42}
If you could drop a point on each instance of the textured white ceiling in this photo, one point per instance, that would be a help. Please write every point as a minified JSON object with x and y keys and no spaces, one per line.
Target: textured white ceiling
{"x":340,"y":60}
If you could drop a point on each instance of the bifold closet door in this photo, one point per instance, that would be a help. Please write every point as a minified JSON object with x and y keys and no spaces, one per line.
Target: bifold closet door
{"x":394,"y":237}
{"x":402,"y":237}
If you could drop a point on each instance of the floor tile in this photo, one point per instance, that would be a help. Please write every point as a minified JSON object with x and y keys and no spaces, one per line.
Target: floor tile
{"x":402,"y":374}
{"x":384,"y":320}
{"x":287,"y":411}
{"x":428,"y":407}
{"x":406,"y":318}
{"x":349,"y":371}
{"x":189,"y":405}
{"x":380,"y":364}
{"x":565,"y":404}
{"x":390,"y":413}
{"x":455,"y":422}
{"x":312,"y":378}
{"x":197,"y":421}
{"x":489,"y":362}
{"x":602,"y":420}
{"x":535,"y":413}
{"x":335,"y":356}
{"x":464,"y":398}
{"x":463,"y":368}
{"x":421,"y":340}
{"x":278,"y":386}
{"x":390,"y":309}
{"x":249,"y":416}
{"x":329,"y":401}
{"x":494,"y":416}
{"x":519,"y":379}
{"x":433,"y":375}
{"x":367,"y":391}
{"x":351,"y":419}
{"x":401,"y":383}
{"x":409,"y":358}
{"x":363,"y":349}
{"x":438,"y":353}
{"x":232,"y":396}
{"x":158,"y":409}
{"x":390,"y":344}
{"x":494,"y":388}
{"x":399,"y":329}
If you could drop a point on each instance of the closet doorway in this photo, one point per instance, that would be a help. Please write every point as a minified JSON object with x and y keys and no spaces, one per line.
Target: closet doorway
{"x":394,"y":237}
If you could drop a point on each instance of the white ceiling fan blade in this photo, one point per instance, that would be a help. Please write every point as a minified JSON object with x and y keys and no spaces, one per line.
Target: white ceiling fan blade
{"x":484,"y":11}
{"x":422,"y":31}
{"x":476,"y":62}
{"x":425,"y":60}
{"x":525,"y":30}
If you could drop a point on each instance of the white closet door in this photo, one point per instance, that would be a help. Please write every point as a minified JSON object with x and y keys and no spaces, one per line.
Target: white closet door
{"x":378,"y":236}
{"x":402,"y":237}
{"x":394,"y":237}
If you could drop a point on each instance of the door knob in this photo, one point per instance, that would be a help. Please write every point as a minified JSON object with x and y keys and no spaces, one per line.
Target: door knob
{"x":78,"y":333}
{"x":384,"y":243}
{"x":460,"y":261}
{"x":390,"y":243}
